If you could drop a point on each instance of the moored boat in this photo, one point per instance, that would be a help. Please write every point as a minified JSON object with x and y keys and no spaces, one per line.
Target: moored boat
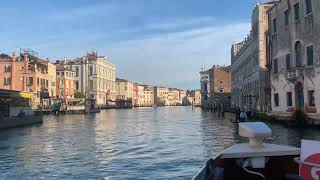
{"x":254,"y":160}
{"x":16,"y":109}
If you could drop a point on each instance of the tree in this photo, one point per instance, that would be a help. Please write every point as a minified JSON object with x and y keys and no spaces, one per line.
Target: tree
{"x":79,"y":95}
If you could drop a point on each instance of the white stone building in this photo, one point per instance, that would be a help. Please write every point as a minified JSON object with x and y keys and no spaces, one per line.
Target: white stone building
{"x":205,"y":86}
{"x":94,"y":77}
{"x":124,"y":89}
{"x":249,"y":73}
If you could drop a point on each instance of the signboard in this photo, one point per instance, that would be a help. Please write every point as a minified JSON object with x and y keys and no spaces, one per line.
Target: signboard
{"x":310,"y":152}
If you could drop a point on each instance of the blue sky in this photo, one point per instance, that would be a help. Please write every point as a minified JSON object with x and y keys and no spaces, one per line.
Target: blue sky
{"x":159,"y":42}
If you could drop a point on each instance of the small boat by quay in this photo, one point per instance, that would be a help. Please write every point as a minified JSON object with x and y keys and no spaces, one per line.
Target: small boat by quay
{"x":258,"y":160}
{"x":16,"y":109}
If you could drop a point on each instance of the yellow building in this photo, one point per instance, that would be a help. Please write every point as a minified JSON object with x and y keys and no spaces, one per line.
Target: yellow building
{"x":197,"y":98}
{"x":161,"y":96}
{"x":173,"y":97}
{"x":124,"y":89}
{"x":148,"y":97}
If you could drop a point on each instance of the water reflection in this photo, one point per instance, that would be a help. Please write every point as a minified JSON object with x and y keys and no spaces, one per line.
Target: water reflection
{"x":162,"y":143}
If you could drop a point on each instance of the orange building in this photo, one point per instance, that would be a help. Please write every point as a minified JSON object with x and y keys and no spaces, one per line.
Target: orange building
{"x":26,"y":73}
{"x":65,"y":85}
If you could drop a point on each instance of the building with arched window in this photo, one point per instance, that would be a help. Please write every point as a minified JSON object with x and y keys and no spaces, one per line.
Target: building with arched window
{"x":294,"y":57}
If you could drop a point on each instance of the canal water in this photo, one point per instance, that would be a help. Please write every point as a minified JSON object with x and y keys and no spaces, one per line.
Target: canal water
{"x":147,"y":143}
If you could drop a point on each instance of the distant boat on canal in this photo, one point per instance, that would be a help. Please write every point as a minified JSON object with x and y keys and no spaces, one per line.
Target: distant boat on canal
{"x":16,"y":109}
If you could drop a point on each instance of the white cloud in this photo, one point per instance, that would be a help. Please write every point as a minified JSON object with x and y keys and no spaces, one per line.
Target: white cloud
{"x":171,"y":58}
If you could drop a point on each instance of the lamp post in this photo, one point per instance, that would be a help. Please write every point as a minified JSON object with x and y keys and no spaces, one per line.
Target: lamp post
{"x":250,"y":102}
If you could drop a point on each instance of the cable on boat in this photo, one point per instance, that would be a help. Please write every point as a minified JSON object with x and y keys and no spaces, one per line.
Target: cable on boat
{"x":252,"y":172}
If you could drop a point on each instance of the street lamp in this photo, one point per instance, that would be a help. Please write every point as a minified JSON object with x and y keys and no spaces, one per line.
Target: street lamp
{"x":250,"y":102}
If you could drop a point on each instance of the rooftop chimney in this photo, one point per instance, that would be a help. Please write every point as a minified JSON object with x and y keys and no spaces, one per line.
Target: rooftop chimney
{"x":25,"y":57}
{"x":14,"y":57}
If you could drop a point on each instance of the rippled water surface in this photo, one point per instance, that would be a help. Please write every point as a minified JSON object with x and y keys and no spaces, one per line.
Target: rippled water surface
{"x":162,"y":143}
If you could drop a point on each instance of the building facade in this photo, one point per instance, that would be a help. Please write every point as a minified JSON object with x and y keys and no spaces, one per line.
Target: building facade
{"x":161,"y":96}
{"x":124,"y":90}
{"x":148,"y":97}
{"x":295,"y":56}
{"x":94,"y":77}
{"x":135,"y":98}
{"x":249,"y":73}
{"x":65,"y":83}
{"x":27,"y":73}
{"x":173,"y":97}
{"x":197,"y":97}
{"x":220,"y":87}
{"x":204,"y":85}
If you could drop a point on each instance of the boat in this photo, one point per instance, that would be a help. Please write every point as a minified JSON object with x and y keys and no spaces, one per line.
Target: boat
{"x":16,"y":109}
{"x":256,"y":159}
{"x":90,"y":106}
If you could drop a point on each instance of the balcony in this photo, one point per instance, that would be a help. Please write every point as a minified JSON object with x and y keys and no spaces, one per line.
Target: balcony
{"x":294,"y":74}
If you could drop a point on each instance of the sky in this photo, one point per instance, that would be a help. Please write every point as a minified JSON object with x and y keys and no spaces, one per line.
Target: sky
{"x":157,"y":42}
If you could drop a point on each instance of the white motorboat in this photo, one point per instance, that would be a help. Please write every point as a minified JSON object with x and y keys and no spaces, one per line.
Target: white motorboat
{"x":256,"y":160}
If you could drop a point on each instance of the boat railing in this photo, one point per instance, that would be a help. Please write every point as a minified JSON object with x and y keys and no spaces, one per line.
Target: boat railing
{"x":298,"y":161}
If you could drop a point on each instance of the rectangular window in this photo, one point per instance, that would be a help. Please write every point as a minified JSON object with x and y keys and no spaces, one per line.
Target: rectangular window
{"x":276,"y":99}
{"x":311,"y":98}
{"x":274,"y":25}
{"x":308,"y":6}
{"x":77,"y":85}
{"x":7,"y":81}
{"x":77,"y":71}
{"x":296,"y":11}
{"x":288,"y":63}
{"x":310,"y":56}
{"x":91,"y":70}
{"x":47,"y":83}
{"x":38,"y":81}
{"x":7,"y":68}
{"x":286,"y":17}
{"x":275,"y":66}
{"x":29,"y":81}
{"x":62,"y":73}
{"x":289,"y":98}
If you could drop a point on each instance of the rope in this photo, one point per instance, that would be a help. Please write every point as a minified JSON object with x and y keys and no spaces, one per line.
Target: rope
{"x":252,"y":172}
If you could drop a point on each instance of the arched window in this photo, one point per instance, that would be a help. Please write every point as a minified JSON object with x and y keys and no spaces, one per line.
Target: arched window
{"x":298,"y":53}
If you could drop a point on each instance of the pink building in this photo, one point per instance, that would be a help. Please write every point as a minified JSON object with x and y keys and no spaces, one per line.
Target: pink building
{"x":65,"y":85}
{"x":25,"y":74}
{"x":135,"y":94}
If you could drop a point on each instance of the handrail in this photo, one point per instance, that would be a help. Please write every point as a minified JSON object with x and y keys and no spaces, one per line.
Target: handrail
{"x":297,"y":160}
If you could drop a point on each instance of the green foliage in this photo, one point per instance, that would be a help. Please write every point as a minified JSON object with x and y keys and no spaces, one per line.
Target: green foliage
{"x":79,"y":95}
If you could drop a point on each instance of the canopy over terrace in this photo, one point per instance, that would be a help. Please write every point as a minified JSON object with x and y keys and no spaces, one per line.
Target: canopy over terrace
{"x":13,"y":101}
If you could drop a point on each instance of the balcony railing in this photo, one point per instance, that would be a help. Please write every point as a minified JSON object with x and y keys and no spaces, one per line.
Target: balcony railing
{"x":294,"y":74}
